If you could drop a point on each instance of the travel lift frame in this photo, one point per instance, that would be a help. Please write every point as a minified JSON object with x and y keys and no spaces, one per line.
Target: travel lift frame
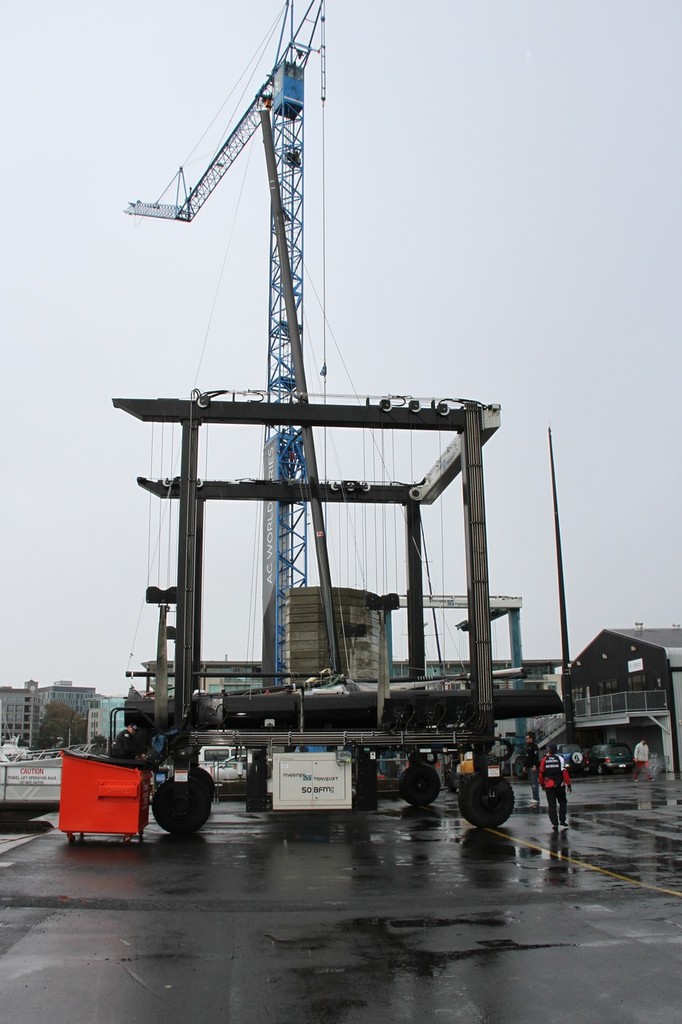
{"x":485,"y":798}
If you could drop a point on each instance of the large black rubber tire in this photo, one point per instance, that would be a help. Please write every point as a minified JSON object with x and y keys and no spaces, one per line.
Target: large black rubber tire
{"x":419,"y":785}
{"x":519,"y":765}
{"x":485,"y":803}
{"x":182,"y":820}
{"x":204,"y":777}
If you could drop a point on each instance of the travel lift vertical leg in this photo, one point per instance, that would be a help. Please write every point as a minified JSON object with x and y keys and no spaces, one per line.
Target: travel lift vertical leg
{"x":415,"y":589}
{"x":182,"y":804}
{"x":485,"y":799}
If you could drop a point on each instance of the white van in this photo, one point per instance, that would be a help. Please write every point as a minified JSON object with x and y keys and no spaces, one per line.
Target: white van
{"x":211,"y":757}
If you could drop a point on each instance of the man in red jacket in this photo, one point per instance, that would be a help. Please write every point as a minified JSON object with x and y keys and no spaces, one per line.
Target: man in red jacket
{"x":554,"y":778}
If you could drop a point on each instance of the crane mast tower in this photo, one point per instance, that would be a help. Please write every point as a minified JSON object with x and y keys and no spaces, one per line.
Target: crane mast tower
{"x":285,"y":554}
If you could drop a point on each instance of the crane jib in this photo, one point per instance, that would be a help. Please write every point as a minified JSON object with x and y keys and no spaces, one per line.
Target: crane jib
{"x":290,"y":68}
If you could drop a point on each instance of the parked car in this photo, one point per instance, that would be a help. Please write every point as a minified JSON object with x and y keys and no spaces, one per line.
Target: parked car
{"x":574,"y":757}
{"x":208,"y":756}
{"x":606,"y":758}
{"x":230,"y":770}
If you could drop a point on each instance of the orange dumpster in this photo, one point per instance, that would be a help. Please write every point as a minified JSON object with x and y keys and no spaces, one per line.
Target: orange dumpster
{"x":102,"y":796}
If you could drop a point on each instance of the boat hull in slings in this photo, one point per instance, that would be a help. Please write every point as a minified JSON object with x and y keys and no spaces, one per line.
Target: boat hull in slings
{"x":414,"y":709}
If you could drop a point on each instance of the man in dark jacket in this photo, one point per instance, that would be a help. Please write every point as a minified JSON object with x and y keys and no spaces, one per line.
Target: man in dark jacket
{"x":555,"y":780}
{"x":530,"y":768}
{"x":125,"y":747}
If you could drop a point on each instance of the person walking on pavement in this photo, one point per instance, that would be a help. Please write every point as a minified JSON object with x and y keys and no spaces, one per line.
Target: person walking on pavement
{"x":642,"y":760}
{"x":530,"y":768}
{"x":555,"y":780}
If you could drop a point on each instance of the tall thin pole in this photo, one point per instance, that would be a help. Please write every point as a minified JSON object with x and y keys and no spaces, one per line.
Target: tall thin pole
{"x":566,"y":691}
{"x":313,"y":479}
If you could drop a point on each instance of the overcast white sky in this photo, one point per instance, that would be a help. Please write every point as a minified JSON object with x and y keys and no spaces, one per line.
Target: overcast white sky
{"x":502,"y":223}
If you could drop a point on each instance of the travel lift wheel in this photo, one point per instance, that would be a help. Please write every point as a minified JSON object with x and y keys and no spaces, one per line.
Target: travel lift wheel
{"x":184,"y":815}
{"x":419,"y":785}
{"x":485,"y":802}
{"x":201,"y":775}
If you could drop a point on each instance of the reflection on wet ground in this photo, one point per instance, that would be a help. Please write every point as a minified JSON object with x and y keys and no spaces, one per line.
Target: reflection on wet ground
{"x":336,"y":918}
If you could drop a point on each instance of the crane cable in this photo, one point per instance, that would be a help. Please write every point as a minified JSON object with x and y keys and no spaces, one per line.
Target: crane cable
{"x":222,"y":268}
{"x":323,"y":98}
{"x":253,"y":63}
{"x":165,"y":514}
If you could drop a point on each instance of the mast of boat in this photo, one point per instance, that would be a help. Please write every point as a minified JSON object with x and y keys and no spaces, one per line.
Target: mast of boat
{"x":566,"y":688}
{"x":313,"y":480}
{"x":5,"y":734}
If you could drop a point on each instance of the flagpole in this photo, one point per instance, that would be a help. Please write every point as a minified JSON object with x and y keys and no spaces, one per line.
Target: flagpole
{"x":566,"y":689}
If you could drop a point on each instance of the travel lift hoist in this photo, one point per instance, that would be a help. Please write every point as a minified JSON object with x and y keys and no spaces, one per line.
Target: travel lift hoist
{"x":485,"y":798}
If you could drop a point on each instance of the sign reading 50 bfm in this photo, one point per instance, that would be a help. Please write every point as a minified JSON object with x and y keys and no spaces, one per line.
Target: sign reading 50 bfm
{"x":307,"y":780}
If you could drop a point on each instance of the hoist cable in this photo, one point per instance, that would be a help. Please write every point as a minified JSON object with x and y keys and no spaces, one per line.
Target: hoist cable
{"x":222,"y":268}
{"x":253,"y":63}
{"x":433,"y":610}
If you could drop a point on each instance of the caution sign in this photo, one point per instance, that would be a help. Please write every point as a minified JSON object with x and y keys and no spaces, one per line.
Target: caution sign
{"x":33,"y":775}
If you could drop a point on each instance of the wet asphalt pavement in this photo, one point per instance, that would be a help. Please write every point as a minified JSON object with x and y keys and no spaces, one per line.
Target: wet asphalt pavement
{"x":399,"y":915}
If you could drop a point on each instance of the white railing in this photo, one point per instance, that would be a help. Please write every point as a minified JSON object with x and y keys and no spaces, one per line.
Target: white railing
{"x":620,"y":703}
{"x":547,"y":727}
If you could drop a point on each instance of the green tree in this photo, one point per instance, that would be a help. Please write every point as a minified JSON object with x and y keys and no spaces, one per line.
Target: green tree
{"x":61,"y":725}
{"x":100,"y":744}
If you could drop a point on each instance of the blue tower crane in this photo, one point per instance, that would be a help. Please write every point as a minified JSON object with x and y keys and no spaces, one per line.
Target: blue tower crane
{"x":285,"y":560}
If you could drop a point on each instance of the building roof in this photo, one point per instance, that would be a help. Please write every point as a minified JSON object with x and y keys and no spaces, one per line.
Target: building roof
{"x":670,"y":639}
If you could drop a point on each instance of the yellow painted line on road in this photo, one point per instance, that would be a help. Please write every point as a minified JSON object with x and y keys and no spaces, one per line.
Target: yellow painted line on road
{"x":585,"y":864}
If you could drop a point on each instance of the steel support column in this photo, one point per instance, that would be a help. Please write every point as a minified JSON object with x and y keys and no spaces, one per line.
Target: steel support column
{"x":187,"y":556}
{"x":478,"y":591}
{"x":415,"y":589}
{"x":198,"y":589}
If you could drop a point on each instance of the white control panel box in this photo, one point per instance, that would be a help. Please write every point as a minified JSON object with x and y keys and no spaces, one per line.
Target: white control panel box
{"x":311,"y":781}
